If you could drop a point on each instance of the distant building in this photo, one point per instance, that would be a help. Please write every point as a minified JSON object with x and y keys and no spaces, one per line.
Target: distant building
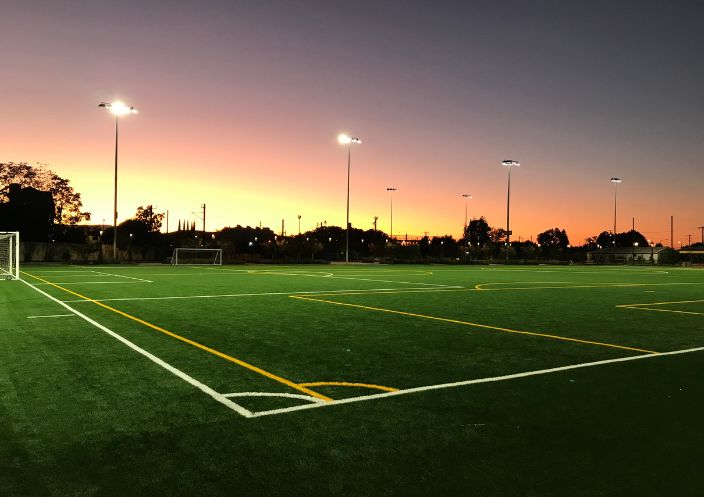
{"x":620,"y":255}
{"x":29,"y":211}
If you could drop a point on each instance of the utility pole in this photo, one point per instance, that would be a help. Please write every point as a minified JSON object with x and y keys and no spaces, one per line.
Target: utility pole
{"x":701,"y":228}
{"x":375,"y":218}
{"x":689,"y":243}
{"x":299,"y":224}
{"x":282,"y":228}
{"x":672,"y":231}
{"x":203,"y":207}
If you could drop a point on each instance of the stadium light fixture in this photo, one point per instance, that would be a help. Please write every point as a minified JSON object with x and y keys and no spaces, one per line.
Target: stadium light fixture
{"x":508,"y":163}
{"x":615,"y":181}
{"x":117,"y":109}
{"x":344,"y":139}
{"x":391,"y":191}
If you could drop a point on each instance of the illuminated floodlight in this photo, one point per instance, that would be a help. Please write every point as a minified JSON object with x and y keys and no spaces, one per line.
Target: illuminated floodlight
{"x":346,"y":139}
{"x":118,"y":108}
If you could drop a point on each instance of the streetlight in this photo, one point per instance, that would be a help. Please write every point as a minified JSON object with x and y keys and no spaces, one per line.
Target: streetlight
{"x":348,"y":140}
{"x":117,"y":109}
{"x":635,"y":244}
{"x":615,"y":181}
{"x":391,"y":195}
{"x":299,"y":224}
{"x":508,"y":163}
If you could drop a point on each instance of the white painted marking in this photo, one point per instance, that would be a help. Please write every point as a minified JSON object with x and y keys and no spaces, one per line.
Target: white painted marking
{"x":264,"y":294}
{"x":52,"y":316}
{"x":121,"y":276}
{"x":177,"y":372}
{"x":470,"y":382}
{"x":274,"y":394}
{"x":91,"y":282}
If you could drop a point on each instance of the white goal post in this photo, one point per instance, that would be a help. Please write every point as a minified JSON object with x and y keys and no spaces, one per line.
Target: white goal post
{"x":196,"y":257}
{"x":9,"y":255}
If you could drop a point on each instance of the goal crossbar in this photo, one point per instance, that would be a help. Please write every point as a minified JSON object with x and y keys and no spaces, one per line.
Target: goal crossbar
{"x":9,"y":255}
{"x":196,"y":257}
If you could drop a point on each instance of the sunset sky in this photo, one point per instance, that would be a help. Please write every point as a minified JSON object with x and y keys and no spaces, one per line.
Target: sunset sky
{"x":240,"y":104}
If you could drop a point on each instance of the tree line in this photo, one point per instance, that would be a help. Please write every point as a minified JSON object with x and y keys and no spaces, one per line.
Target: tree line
{"x":44,"y":207}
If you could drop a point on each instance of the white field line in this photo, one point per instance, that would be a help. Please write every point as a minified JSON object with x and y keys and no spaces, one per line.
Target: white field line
{"x":52,"y":316}
{"x":273,"y":394}
{"x":177,"y":372}
{"x":264,"y":294}
{"x":121,"y":276}
{"x":63,"y":271}
{"x":322,"y":274}
{"x":91,"y":282}
{"x":456,"y":384}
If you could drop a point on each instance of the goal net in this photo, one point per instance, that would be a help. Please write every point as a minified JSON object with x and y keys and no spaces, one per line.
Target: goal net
{"x":196,"y":257}
{"x":9,"y":255}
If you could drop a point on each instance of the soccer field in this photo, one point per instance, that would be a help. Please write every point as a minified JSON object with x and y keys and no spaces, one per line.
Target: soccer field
{"x":352,"y":380}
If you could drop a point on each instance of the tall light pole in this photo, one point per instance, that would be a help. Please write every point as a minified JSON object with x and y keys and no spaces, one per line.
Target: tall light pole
{"x":466,"y":196}
{"x":615,"y":181}
{"x":701,"y":228}
{"x":391,"y":195}
{"x":348,"y":140}
{"x":117,"y":109}
{"x":508,"y":163}
{"x":299,"y":224}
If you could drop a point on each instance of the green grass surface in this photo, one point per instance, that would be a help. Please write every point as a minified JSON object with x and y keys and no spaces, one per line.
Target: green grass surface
{"x":82,"y":413}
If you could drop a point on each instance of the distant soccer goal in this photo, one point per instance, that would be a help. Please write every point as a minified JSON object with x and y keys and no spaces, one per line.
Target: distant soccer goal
{"x":196,"y":257}
{"x":9,"y":255}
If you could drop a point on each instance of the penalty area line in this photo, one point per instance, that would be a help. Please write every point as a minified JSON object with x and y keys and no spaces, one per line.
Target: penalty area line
{"x":176,"y":372}
{"x":443,"y":386}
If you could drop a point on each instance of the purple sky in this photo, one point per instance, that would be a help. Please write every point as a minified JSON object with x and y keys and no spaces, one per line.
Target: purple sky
{"x":241,"y":102}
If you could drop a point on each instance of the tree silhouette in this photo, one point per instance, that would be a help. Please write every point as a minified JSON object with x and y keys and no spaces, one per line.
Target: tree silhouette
{"x":554,"y":237}
{"x":149,"y":218}
{"x":478,"y":232}
{"x":67,"y":203}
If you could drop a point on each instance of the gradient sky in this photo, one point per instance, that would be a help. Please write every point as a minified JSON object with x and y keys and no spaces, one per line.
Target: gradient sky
{"x":241,"y":102}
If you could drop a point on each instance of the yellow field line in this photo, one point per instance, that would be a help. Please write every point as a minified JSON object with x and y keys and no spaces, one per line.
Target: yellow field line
{"x":661,"y":310}
{"x":481,"y":286}
{"x":477,"y":325}
{"x":663,"y":303}
{"x":347,"y":384}
{"x":239,"y":362}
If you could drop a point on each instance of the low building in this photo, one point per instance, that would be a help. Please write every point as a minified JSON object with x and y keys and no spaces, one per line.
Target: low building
{"x":622,"y":255}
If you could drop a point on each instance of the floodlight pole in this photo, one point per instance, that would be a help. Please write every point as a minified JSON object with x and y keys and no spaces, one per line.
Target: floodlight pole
{"x":347,"y":224}
{"x":391,"y":195}
{"x":114,"y":207}
{"x":615,"y":181}
{"x":466,"y":196}
{"x":348,"y":140}
{"x":118,"y":109}
{"x":508,"y":163}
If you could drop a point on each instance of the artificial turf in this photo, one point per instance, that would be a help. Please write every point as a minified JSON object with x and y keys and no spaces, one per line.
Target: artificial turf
{"x":81,"y":413}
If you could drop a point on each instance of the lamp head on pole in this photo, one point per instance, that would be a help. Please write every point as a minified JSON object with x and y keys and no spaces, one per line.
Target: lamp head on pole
{"x":346,"y":139}
{"x":509,"y":163}
{"x":615,"y":180}
{"x":391,"y":189}
{"x":118,"y":108}
{"x":466,"y":195}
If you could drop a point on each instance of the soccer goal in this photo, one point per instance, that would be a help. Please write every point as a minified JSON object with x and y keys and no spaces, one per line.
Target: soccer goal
{"x":196,"y":257}
{"x":9,"y":255}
